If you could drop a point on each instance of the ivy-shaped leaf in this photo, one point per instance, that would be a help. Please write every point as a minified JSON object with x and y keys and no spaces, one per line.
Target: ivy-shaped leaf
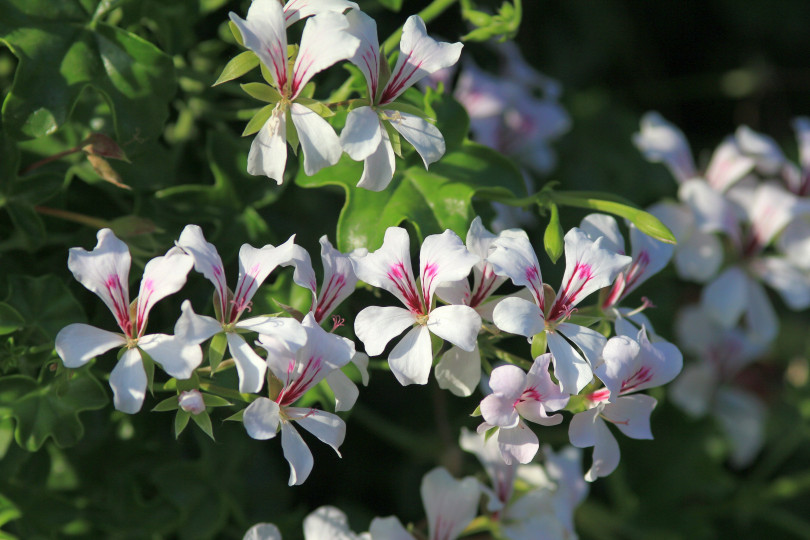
{"x":45,"y":303}
{"x":62,"y":49}
{"x":49,"y":410}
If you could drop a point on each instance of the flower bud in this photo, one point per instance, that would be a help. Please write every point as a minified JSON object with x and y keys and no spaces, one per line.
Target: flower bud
{"x":191,"y":401}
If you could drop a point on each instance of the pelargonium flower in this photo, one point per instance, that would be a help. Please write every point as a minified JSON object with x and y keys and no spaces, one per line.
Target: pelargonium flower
{"x":517,"y":395}
{"x":105,"y":271}
{"x":588,"y":268}
{"x":323,"y":42}
{"x":442,"y":258}
{"x":296,"y":10}
{"x":254,"y":267}
{"x":366,"y":136}
{"x":297,"y":372}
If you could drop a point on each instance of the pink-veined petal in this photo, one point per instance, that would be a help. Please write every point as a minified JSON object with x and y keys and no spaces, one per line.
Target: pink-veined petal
{"x":177,"y":357}
{"x":265,"y":33}
{"x":378,"y":168}
{"x":339,"y":279}
{"x":773,"y":208}
{"x":420,"y":55}
{"x":280,"y":358}
{"x":619,"y":360}
{"x":363,"y":133}
{"x":105,"y":272}
{"x":649,"y":257}
{"x":573,"y":371}
{"x":450,"y":504}
{"x":459,"y":371}
{"x":254,"y":267}
{"x":261,"y":419}
{"x":206,"y":260}
{"x":389,"y":268}
{"x":263,"y":531}
{"x":327,"y":427}
{"x":412,"y":357}
{"x":513,"y":256}
{"x":662,"y":142}
{"x":295,"y":10}
{"x":77,"y":344}
{"x":443,"y":257}
{"x":375,"y":326}
{"x":268,"y":151}
{"x":249,"y":366}
{"x":658,"y":364}
{"x":631,"y":414}
{"x":162,"y":276}
{"x":728,"y":164}
{"x":424,"y":136}
{"x":367,"y":56}
{"x":325,"y":40}
{"x":128,"y":382}
{"x":319,"y":143}
{"x":541,"y":394}
{"x":518,"y":444}
{"x":518,"y":316}
{"x":297,"y":454}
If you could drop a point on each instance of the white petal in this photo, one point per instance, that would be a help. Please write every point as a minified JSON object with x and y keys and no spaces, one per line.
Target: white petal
{"x":327,"y":427}
{"x":631,"y":414}
{"x":261,"y":419}
{"x":443,"y":257}
{"x":339,"y":279}
{"x":195,"y":329}
{"x":454,"y":292}
{"x":206,"y":260}
{"x":378,"y":168}
{"x":265,"y":33}
{"x":589,"y":341}
{"x":105,"y":271}
{"x":728,"y":164}
{"x":726,"y":297}
{"x":518,"y":444}
{"x":162,"y":276}
{"x":128,"y":382}
{"x":325,"y":40}
{"x":767,"y":155}
{"x":662,"y":142}
{"x":573,"y":372}
{"x":249,"y":366}
{"x":792,"y":284}
{"x":618,"y":362}
{"x":389,"y":268}
{"x":649,"y":257}
{"x":713,"y":212}
{"x":297,"y":454}
{"x":360,"y":361}
{"x":419,"y":56}
{"x":254,"y":267}
{"x":424,"y":136}
{"x":663,"y":360}
{"x":77,"y":344}
{"x":694,"y":390}
{"x":286,"y":329}
{"x":794,"y":243}
{"x":596,"y":225}
{"x":450,"y":504}
{"x":459,"y":371}
{"x":457,"y":324}
{"x":177,"y":358}
{"x":268,"y":151}
{"x":513,"y":256}
{"x":698,"y":257}
{"x":742,"y":417}
{"x":367,"y":56}
{"x":295,"y":10}
{"x":327,"y":522}
{"x":319,"y":142}
{"x":362,"y":134}
{"x":587,"y":429}
{"x":760,"y":317}
{"x":412,"y":357}
{"x":376,"y":326}
{"x":263,"y":531}
{"x":304,"y":274}
{"x":518,"y":316}
{"x":389,"y":528}
{"x":345,"y":390}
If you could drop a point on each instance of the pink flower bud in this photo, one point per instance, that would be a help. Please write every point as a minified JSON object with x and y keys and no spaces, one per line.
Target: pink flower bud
{"x":191,"y":401}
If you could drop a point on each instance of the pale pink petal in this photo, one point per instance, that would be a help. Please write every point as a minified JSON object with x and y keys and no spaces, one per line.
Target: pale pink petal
{"x":513,"y":256}
{"x":263,"y":531}
{"x":265,"y":33}
{"x":261,"y":419}
{"x":596,"y":225}
{"x":712,"y":211}
{"x":105,"y":272}
{"x":367,"y":56}
{"x":327,"y":427}
{"x":518,"y":444}
{"x":660,"y":363}
{"x":249,"y":366}
{"x":443,"y":257}
{"x":327,"y":522}
{"x":376,"y":326}
{"x":518,"y":316}
{"x":162,"y":276}
{"x":662,"y":142}
{"x":339,"y":280}
{"x":389,"y":268}
{"x":177,"y":357}
{"x":794,"y":243}
{"x":631,"y":414}
{"x":378,"y":168}
{"x":191,"y":401}
{"x":773,"y":209}
{"x":128,"y":382}
{"x":295,"y":10}
{"x":268,"y":151}
{"x":619,"y":361}
{"x":297,"y":454}
{"x":767,"y":155}
{"x":325,"y":40}
{"x":420,"y":55}
{"x":459,"y":371}
{"x":450,"y":504}
{"x":254,"y":267}
{"x":77,"y":344}
{"x":726,"y":297}
{"x":319,"y":143}
{"x":363,"y":133}
{"x":424,"y":136}
{"x":412,"y":357}
{"x":573,"y":371}
{"x":457,"y":324}
{"x":499,"y":410}
{"x":206,"y":260}
{"x":346,"y":392}
{"x":542,"y":394}
{"x":488,"y":453}
{"x":728,"y":164}
{"x":649,"y":257}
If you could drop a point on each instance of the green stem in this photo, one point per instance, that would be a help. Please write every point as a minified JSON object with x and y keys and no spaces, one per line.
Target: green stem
{"x":436,"y":8}
{"x":90,"y":221}
{"x":225,"y":392}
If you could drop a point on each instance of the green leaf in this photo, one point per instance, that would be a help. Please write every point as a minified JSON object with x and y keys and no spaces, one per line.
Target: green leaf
{"x":28,"y":224}
{"x":316,"y":106}
{"x":204,"y":421}
{"x":393,"y":5}
{"x":168,"y":404}
{"x":45,"y":303}
{"x":10,"y":319}
{"x":216,"y":350}
{"x":262,"y":92}
{"x":211,"y":400}
{"x":406,"y":108}
{"x":606,"y":202}
{"x":180,"y":422}
{"x":8,"y":512}
{"x":60,"y":55}
{"x":292,"y":132}
{"x":538,"y":344}
{"x":238,"y":66}
{"x":49,"y":410}
{"x":553,"y":237}
{"x":259,"y":119}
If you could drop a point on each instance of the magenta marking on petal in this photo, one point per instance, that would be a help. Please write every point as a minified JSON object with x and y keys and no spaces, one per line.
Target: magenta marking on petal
{"x":147,"y":289}
{"x":533,"y":277}
{"x":599,"y":395}
{"x":485,"y":287}
{"x":329,"y":294}
{"x":372,"y":63}
{"x":429,"y":273}
{"x":120,"y":303}
{"x":296,"y":387}
{"x":642,"y":376}
{"x":280,"y":70}
{"x":300,"y":74}
{"x":400,"y":81}
{"x":241,"y":302}
{"x":580,"y":277}
{"x":406,"y":287}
